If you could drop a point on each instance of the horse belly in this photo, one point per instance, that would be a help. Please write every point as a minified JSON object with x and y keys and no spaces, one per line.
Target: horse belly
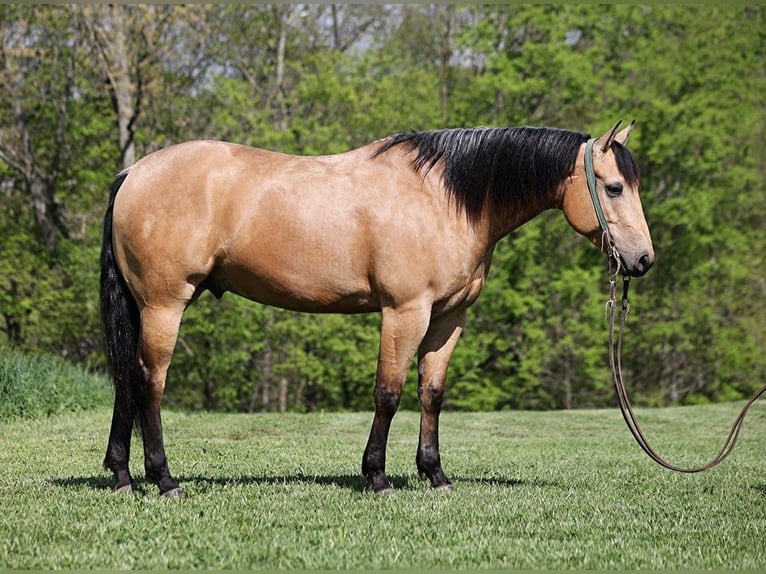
{"x":288,"y":288}
{"x":300,"y":262}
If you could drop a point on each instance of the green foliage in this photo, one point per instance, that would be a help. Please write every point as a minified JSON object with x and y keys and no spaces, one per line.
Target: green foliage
{"x":312,"y":79}
{"x":34,"y":386}
{"x":272,"y":359}
{"x":548,"y":491}
{"x":547,"y":351}
{"x":704,"y":204}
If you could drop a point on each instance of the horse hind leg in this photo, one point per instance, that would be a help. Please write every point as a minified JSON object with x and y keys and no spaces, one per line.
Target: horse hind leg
{"x":433,"y":359}
{"x":118,"y":447}
{"x":159,"y":331}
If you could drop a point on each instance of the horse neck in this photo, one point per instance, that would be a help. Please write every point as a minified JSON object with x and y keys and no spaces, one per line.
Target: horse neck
{"x":502,"y":223}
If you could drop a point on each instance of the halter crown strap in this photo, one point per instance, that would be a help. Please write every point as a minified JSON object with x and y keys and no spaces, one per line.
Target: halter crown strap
{"x":590,"y":176}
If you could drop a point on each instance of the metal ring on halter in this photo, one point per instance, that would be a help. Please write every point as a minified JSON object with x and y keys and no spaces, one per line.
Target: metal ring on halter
{"x":612,"y":255}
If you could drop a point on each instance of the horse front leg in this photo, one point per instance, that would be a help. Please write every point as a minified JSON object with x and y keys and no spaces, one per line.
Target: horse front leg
{"x":159,"y":330}
{"x":433,"y":360}
{"x":400,"y":334}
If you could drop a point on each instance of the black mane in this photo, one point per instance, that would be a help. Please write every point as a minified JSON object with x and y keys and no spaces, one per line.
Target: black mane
{"x":506,"y":169}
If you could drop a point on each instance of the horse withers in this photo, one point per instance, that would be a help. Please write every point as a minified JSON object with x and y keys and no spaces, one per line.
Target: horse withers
{"x":405,"y":226}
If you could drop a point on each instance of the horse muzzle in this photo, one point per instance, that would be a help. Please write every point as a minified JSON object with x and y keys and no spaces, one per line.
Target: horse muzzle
{"x":639,"y":265}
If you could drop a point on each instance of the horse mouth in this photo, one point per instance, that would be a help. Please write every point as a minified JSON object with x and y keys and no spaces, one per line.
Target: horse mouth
{"x":638,"y":267}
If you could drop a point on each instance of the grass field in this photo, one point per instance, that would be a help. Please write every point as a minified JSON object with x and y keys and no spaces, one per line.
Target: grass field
{"x":532,"y":490}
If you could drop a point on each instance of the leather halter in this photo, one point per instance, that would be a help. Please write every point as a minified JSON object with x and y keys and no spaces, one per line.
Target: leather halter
{"x":590,"y":176}
{"x":613,"y":256}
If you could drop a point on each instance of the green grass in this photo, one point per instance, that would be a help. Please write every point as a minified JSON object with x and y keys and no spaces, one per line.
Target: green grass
{"x":532,"y":490}
{"x":38,"y":385}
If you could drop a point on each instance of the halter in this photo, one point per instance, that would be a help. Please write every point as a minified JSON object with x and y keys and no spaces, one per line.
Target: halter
{"x":606,"y":238}
{"x":590,"y":175}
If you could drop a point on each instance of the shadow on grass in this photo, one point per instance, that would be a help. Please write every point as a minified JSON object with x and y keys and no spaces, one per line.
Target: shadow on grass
{"x":92,"y":482}
{"x":348,"y":481}
{"x":351,"y":482}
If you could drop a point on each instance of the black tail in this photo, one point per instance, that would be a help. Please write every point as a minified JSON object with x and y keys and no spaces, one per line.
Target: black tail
{"x":119,"y":316}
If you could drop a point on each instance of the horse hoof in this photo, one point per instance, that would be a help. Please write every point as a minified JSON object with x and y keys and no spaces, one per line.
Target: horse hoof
{"x":444,"y":487}
{"x":125,"y":489}
{"x":174,"y":493}
{"x":378,"y":481}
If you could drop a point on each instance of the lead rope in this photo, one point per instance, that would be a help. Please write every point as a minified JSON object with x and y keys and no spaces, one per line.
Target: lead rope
{"x":615,"y":352}
{"x":615,"y":363}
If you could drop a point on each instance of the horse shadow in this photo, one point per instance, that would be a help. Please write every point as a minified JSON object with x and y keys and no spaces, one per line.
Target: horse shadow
{"x":351,"y":482}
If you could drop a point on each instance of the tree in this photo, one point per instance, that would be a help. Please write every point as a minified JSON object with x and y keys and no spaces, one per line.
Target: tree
{"x":129,"y":44}
{"x":38,"y":74}
{"x":88,"y":90}
{"x":698,"y":151}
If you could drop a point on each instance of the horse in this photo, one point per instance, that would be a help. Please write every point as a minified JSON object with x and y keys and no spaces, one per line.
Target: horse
{"x":404,"y":226}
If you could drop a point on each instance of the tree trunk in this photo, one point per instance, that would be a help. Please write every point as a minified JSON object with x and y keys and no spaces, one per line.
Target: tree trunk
{"x":109,"y":29}
{"x":283,"y":395}
{"x":283,"y":13}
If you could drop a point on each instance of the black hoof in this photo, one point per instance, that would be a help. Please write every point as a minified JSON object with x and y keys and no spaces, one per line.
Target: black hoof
{"x":436,"y":476}
{"x":379,"y":483}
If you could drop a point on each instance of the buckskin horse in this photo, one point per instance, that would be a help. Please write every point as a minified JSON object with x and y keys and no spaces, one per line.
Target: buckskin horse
{"x":405,"y":226}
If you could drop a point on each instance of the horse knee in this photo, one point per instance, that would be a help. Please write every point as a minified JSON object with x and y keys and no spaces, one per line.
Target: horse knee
{"x":387,"y":399}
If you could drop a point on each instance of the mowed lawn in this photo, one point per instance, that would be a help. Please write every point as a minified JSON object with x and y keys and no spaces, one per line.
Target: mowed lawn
{"x":548,"y":490}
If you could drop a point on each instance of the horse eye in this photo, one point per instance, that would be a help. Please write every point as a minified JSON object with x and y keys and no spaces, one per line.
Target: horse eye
{"x":614,"y":189}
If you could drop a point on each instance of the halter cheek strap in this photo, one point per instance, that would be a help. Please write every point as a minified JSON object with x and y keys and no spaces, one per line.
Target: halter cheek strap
{"x":590,"y":176}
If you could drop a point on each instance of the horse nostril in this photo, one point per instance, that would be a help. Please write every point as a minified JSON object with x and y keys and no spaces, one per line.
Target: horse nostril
{"x":644,"y":263}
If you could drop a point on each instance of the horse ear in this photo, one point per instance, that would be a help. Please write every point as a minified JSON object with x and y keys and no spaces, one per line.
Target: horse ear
{"x":623,"y":136}
{"x":606,"y":140}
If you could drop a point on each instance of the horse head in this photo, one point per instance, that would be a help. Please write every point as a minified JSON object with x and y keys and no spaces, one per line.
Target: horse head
{"x":620,"y":229}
